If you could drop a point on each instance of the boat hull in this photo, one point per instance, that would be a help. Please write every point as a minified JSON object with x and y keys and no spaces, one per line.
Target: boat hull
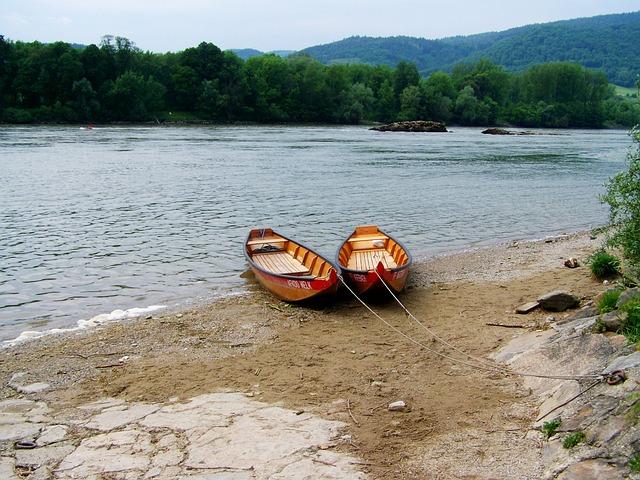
{"x":368,"y":282}
{"x":372,"y":260}
{"x":297,"y":289}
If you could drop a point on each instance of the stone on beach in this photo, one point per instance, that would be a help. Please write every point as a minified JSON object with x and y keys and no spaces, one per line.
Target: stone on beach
{"x":558,"y":301}
{"x":613,"y":320}
{"x":628,"y":295}
{"x":593,"y":469}
{"x":585,"y":312}
{"x":220,"y":435}
{"x":571,"y":263}
{"x":52,"y":434}
{"x":29,"y":388}
{"x":527,"y":307}
{"x":38,"y":457}
{"x":397,"y":406}
{"x":7,"y":471}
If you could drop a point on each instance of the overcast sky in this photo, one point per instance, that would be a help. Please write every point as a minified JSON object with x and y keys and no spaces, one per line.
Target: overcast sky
{"x":162,"y":25}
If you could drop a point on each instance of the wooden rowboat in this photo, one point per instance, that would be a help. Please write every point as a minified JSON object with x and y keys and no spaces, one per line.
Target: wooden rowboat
{"x":289,"y":270}
{"x":369,"y":250}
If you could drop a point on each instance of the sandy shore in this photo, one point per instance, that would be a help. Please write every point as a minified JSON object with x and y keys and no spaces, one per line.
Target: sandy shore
{"x":340,"y":363}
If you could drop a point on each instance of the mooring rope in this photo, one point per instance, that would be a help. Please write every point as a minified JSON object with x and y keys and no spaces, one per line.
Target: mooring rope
{"x":412,"y":340}
{"x":484,"y":365}
{"x":434,"y":334}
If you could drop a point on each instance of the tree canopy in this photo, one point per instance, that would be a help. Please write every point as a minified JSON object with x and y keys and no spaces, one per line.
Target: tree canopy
{"x":115,"y":81}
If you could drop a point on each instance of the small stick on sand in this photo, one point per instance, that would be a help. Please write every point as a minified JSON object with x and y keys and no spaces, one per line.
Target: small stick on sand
{"x":506,"y":325}
{"x":322,"y":461}
{"x":110,"y":365}
{"x":351,"y":414}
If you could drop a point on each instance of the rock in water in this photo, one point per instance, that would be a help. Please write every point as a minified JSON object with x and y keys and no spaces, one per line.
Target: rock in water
{"x":497,"y":131}
{"x":558,"y":301}
{"x":412,"y":126}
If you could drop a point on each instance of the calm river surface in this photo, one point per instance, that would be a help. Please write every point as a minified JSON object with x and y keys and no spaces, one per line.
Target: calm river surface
{"x":120,"y":217}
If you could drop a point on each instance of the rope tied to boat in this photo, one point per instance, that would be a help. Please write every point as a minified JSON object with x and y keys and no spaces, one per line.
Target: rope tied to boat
{"x":478,"y":363}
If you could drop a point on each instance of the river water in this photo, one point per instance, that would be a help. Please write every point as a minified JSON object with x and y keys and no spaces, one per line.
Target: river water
{"x":120,"y":217}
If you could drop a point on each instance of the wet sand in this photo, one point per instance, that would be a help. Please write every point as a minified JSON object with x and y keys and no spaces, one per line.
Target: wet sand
{"x":341,"y":363}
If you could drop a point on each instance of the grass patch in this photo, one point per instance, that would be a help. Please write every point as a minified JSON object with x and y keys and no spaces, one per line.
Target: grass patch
{"x":599,"y":327}
{"x":634,"y":463}
{"x":604,"y":265}
{"x":625,"y":91}
{"x":550,"y":428}
{"x":574,"y":439}
{"x":607,"y":302}
{"x":631,"y":326}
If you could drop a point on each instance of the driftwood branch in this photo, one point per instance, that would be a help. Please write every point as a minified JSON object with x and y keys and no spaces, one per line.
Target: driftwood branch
{"x":506,"y":325}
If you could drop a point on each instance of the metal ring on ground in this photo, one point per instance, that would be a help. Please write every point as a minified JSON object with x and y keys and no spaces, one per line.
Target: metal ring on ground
{"x":616,"y":377}
{"x":24,"y":445}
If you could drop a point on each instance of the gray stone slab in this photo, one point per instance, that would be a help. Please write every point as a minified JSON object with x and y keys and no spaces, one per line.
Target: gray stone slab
{"x":32,"y":387}
{"x":52,"y":434}
{"x":110,"y":419}
{"x":558,"y":301}
{"x":42,"y":456}
{"x":18,"y":431}
{"x":7,"y":471}
{"x":627,"y":295}
{"x":527,"y":307}
{"x":624,"y":363}
{"x":595,"y":469}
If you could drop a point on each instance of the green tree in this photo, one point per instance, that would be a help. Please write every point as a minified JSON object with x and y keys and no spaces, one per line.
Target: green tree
{"x":183,"y":85}
{"x":385,"y":104}
{"x":439,"y":97}
{"x":133,"y":98}
{"x":406,"y":74}
{"x":270,"y":84}
{"x":411,"y":103}
{"x":623,"y":197}
{"x":84,"y":99}
{"x":355,"y":105}
{"x":469,"y":110}
{"x":210,"y":101}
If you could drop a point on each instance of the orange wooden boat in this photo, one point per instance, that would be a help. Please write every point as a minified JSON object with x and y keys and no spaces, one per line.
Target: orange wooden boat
{"x":369,"y":250}
{"x":289,"y":270}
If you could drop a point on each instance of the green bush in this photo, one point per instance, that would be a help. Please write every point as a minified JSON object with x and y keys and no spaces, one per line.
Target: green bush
{"x":634,"y":463}
{"x":631,"y":326}
{"x":604,"y":265}
{"x":608,"y":300}
{"x":574,"y":439}
{"x":17,"y":115}
{"x":550,"y":428}
{"x":623,"y":197}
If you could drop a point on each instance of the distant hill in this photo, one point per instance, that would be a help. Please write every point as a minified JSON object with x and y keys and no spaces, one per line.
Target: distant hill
{"x":607,"y":42}
{"x":246,"y":53}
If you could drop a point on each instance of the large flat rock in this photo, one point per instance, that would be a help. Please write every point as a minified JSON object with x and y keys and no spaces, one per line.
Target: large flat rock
{"x":217,"y":436}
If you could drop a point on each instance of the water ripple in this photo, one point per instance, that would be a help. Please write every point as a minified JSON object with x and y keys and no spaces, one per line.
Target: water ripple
{"x":120,"y":217}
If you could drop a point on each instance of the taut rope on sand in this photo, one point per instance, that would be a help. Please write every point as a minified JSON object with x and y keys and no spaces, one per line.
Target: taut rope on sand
{"x":479,"y":364}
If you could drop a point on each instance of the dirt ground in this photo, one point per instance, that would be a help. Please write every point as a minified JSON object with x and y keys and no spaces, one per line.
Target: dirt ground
{"x":342,"y":363}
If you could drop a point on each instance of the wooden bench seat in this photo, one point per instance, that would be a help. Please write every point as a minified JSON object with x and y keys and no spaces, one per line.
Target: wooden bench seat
{"x":279,"y":262}
{"x":367,"y":238}
{"x":266,"y":240}
{"x":369,"y":259}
